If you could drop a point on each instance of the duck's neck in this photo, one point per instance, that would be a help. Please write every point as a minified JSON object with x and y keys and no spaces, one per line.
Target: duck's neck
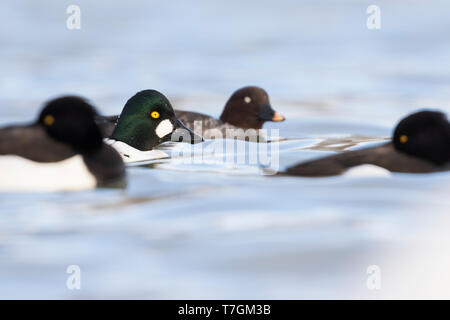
{"x":107,"y":166}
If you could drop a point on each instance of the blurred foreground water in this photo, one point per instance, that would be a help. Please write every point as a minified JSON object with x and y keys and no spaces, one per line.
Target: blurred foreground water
{"x":219,"y":230}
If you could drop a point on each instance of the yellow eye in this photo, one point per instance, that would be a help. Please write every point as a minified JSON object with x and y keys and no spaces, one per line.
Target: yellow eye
{"x":49,"y":120}
{"x":155,"y":114}
{"x":403,"y":138}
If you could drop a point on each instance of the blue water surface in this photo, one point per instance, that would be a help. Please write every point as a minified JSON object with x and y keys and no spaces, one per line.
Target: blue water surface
{"x":218,"y":229}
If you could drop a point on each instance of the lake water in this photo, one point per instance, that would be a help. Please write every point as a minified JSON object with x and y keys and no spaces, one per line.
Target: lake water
{"x":221,"y":230}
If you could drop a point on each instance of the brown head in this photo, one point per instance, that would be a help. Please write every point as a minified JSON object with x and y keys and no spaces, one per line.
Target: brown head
{"x":249,"y":108}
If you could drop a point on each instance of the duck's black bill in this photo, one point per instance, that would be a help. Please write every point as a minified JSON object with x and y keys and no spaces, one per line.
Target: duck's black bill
{"x":269,"y":114}
{"x":184,"y":134}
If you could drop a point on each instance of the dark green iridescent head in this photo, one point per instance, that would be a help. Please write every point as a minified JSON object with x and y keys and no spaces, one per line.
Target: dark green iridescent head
{"x":146,"y":121}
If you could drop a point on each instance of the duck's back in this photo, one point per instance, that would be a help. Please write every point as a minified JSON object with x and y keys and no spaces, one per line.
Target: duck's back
{"x":106,"y":125}
{"x":32,"y":143}
{"x":189,"y":118}
{"x":384,"y":156}
{"x":212,"y":128}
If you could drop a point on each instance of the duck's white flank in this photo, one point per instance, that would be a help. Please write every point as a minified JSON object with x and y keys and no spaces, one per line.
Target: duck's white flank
{"x":130,"y":154}
{"x":367,"y":170}
{"x":18,"y":174}
{"x":164,"y":128}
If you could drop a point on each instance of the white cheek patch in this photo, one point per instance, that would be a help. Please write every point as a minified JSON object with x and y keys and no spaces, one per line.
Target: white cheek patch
{"x":247,"y":99}
{"x":164,"y":128}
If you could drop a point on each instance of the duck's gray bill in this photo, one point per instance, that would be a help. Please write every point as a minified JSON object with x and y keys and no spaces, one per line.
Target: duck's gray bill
{"x":183,"y":134}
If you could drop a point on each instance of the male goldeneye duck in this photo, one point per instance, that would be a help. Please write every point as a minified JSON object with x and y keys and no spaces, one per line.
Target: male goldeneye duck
{"x":146,"y":121}
{"x":62,"y":151}
{"x":247,"y":108}
{"x":420,"y":144}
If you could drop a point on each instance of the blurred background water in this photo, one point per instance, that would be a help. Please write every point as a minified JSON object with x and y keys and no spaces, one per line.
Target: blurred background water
{"x":221,"y":230}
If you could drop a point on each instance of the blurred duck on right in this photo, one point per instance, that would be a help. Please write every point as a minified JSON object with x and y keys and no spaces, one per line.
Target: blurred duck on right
{"x":420,"y":144}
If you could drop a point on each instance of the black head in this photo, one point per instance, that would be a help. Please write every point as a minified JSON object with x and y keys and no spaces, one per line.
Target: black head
{"x":70,"y":120}
{"x":425,"y":134}
{"x":249,"y":108}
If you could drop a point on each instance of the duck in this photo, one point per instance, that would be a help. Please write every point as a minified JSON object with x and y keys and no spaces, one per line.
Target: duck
{"x":61,"y":151}
{"x":147,"y":120}
{"x":247,"y":108}
{"x":420,"y":144}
